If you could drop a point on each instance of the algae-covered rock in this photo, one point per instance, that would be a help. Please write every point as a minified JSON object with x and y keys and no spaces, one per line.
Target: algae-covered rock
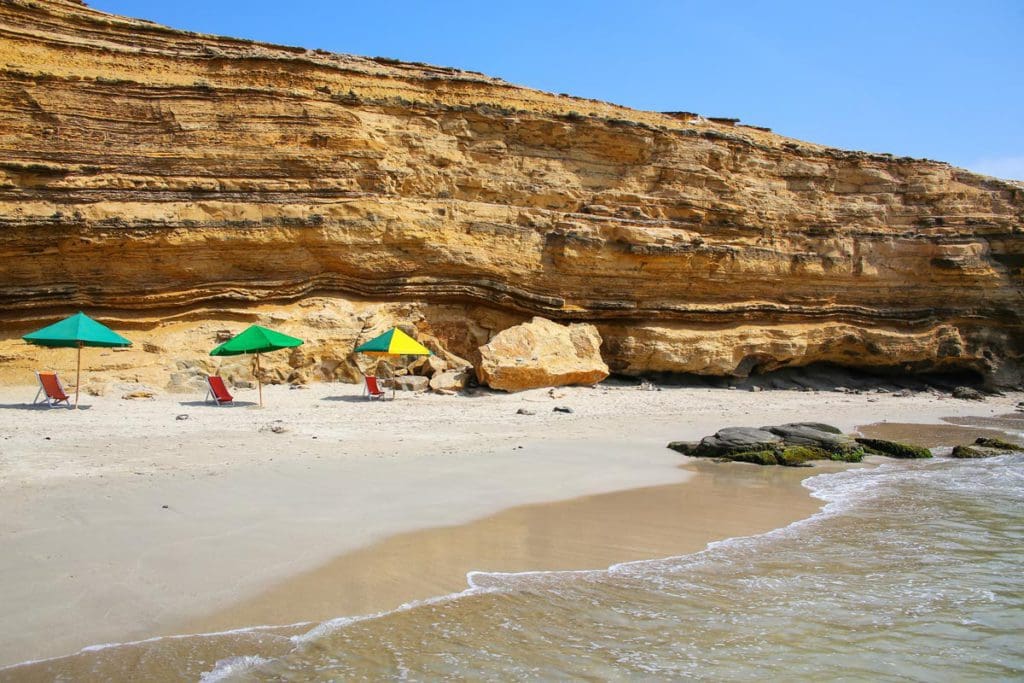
{"x":818,"y":435}
{"x":792,"y":445}
{"x":798,"y":456}
{"x":998,"y":444}
{"x":765,"y":457}
{"x":964,"y":452}
{"x":894,"y":449}
{"x":985,"y":448}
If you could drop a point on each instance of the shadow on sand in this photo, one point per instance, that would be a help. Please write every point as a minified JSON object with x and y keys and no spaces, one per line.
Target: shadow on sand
{"x":211,"y":404}
{"x":348,"y":399}
{"x":40,"y":406}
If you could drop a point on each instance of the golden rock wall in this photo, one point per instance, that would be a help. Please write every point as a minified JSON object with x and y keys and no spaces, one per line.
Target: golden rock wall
{"x":148,"y":174}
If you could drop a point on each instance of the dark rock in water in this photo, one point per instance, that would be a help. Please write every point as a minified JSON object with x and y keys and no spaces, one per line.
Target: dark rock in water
{"x":736,"y":439}
{"x":684,"y":447}
{"x":985,"y":448}
{"x":968,"y":394}
{"x":893,"y":449}
{"x":792,"y":445}
{"x":998,"y":444}
{"x":815,"y":435}
{"x":964,"y":452}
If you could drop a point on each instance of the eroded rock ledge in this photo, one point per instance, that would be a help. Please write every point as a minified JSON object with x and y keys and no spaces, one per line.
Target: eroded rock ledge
{"x":149,"y":174}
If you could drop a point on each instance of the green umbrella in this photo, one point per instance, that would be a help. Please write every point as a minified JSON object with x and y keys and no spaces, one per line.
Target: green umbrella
{"x":77,"y":331}
{"x":257,"y":340}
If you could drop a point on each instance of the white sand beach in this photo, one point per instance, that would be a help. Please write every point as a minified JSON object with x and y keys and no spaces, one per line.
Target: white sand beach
{"x":128,"y":519}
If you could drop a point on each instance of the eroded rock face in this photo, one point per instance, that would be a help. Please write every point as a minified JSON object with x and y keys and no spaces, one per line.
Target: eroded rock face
{"x":542,"y":353}
{"x":149,"y":175}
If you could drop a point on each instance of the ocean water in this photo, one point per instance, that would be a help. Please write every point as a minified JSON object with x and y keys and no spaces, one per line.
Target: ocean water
{"x":913,"y":571}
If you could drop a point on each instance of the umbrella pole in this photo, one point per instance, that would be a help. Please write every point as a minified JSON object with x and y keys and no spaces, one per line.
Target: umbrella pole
{"x":78,"y":375}
{"x":259,"y":383}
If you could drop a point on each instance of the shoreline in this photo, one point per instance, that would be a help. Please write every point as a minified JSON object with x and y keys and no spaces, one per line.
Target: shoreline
{"x":590,"y":532}
{"x":252,"y":515}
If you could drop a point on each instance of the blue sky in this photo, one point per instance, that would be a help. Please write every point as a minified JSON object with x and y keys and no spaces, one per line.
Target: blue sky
{"x":941,"y":80}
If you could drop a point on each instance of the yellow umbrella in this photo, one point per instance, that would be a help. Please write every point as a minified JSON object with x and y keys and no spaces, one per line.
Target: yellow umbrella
{"x":394,"y":342}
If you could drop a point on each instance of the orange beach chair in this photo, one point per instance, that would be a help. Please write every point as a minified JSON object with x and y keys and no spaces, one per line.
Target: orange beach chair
{"x":51,"y":390}
{"x":372,"y":389}
{"x":218,"y":391}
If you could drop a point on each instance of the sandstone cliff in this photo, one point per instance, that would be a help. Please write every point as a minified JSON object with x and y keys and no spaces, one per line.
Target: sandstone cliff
{"x":167,"y":180}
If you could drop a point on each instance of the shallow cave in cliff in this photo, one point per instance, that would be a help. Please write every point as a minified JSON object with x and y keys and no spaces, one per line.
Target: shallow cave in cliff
{"x":821,"y":377}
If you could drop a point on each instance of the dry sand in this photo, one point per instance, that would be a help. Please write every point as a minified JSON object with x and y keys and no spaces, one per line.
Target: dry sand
{"x":120,"y":521}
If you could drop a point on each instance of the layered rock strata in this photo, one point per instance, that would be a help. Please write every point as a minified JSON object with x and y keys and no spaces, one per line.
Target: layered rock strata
{"x":148,"y":174}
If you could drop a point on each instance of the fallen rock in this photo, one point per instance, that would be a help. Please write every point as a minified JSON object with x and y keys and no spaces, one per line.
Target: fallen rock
{"x":186,"y":382}
{"x":449,"y":380}
{"x":542,"y":353}
{"x":893,"y":449}
{"x":138,"y":394}
{"x":525,"y":411}
{"x":563,"y":409}
{"x":416,"y":383}
{"x":183,"y":416}
{"x":277,"y":427}
{"x":968,"y":394}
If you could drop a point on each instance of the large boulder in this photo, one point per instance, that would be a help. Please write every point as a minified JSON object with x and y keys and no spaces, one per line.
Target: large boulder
{"x":415,"y":383}
{"x":814,"y":434}
{"x":794,"y":444}
{"x":542,"y":353}
{"x":449,"y":380}
{"x":730,"y":440}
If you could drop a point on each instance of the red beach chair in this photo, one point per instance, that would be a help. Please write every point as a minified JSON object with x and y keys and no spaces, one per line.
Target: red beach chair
{"x":218,"y":391}
{"x":51,"y":389}
{"x":373,"y":389}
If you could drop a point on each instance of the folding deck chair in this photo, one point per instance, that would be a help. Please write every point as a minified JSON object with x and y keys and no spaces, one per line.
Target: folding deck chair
{"x":218,"y":392}
{"x":372,"y":389}
{"x":51,"y":389}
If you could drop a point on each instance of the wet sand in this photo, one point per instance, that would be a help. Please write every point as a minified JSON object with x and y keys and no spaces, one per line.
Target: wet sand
{"x":592,"y":532}
{"x":953,"y":431}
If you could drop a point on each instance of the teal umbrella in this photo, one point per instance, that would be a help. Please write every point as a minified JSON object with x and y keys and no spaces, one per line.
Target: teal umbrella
{"x":76,"y":331}
{"x":256,"y":340}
